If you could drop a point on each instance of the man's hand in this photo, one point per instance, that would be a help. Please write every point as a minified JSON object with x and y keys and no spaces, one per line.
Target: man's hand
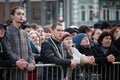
{"x":21,"y":63}
{"x":30,"y":67}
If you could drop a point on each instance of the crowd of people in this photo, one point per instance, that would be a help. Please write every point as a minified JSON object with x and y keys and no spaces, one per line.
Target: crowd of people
{"x":23,"y":45}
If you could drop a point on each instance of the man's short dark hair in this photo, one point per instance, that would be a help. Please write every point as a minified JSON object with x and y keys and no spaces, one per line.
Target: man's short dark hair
{"x":55,"y":24}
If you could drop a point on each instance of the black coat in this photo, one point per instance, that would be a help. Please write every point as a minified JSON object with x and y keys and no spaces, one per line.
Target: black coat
{"x":5,"y":61}
{"x":102,"y":58}
{"x":117,"y":43}
{"x":55,"y":53}
{"x":108,"y":69}
{"x":50,"y":54}
{"x":88,"y":50}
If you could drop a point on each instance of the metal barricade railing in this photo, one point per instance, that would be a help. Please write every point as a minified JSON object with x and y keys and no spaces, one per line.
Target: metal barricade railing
{"x":56,"y":72}
{"x":97,"y":72}
{"x":42,"y":72}
{"x":49,"y":72}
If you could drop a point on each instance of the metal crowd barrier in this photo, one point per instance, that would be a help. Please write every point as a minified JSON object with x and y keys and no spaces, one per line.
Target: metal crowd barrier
{"x":56,"y":72}
{"x":42,"y":72}
{"x":97,"y":72}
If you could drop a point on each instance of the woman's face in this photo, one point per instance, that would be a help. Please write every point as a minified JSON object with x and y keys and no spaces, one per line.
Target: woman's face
{"x":106,"y":42}
{"x":85,"y":41}
{"x":116,"y":33}
{"x":96,"y":34}
{"x":35,"y":39}
{"x":68,"y":41}
{"x":89,"y":34}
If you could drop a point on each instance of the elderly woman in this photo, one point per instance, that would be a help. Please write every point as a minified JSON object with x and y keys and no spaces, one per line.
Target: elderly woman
{"x":77,"y":56}
{"x":109,"y":54}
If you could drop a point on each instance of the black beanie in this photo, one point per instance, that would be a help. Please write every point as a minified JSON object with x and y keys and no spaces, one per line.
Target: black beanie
{"x":105,"y":25}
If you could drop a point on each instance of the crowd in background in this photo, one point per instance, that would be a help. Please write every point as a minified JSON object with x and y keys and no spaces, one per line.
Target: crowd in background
{"x":99,"y":43}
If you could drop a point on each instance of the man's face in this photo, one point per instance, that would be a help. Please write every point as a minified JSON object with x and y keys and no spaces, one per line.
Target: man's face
{"x":85,"y":41}
{"x":106,"y":42}
{"x":40,"y":31}
{"x":2,"y":32}
{"x":58,"y":32}
{"x":18,"y":16}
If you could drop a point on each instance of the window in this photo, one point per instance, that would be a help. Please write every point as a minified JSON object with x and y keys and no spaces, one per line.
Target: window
{"x":82,"y":7}
{"x":105,"y":14}
{"x":83,"y":15}
{"x":35,"y":12}
{"x":118,"y":15}
{"x":91,"y":15}
{"x":90,"y":7}
{"x":51,"y":12}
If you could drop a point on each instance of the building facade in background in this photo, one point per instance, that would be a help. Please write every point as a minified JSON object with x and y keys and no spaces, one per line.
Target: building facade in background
{"x":89,"y":12}
{"x":69,"y":12}
{"x":37,"y":11}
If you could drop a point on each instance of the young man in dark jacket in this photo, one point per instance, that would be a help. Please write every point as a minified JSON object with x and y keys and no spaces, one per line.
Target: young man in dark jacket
{"x":53,"y":51}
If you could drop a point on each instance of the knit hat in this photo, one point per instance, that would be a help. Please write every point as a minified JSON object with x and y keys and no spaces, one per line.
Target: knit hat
{"x":97,"y":25}
{"x":78,"y":38}
{"x":66,"y":35}
{"x":105,"y":25}
{"x":2,"y":25}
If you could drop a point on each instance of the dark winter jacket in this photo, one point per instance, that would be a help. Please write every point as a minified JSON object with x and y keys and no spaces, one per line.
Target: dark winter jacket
{"x":55,"y":53}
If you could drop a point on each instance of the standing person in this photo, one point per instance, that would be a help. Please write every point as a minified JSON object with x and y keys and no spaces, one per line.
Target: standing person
{"x":5,"y":61}
{"x":52,"y":51}
{"x":17,"y":46}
